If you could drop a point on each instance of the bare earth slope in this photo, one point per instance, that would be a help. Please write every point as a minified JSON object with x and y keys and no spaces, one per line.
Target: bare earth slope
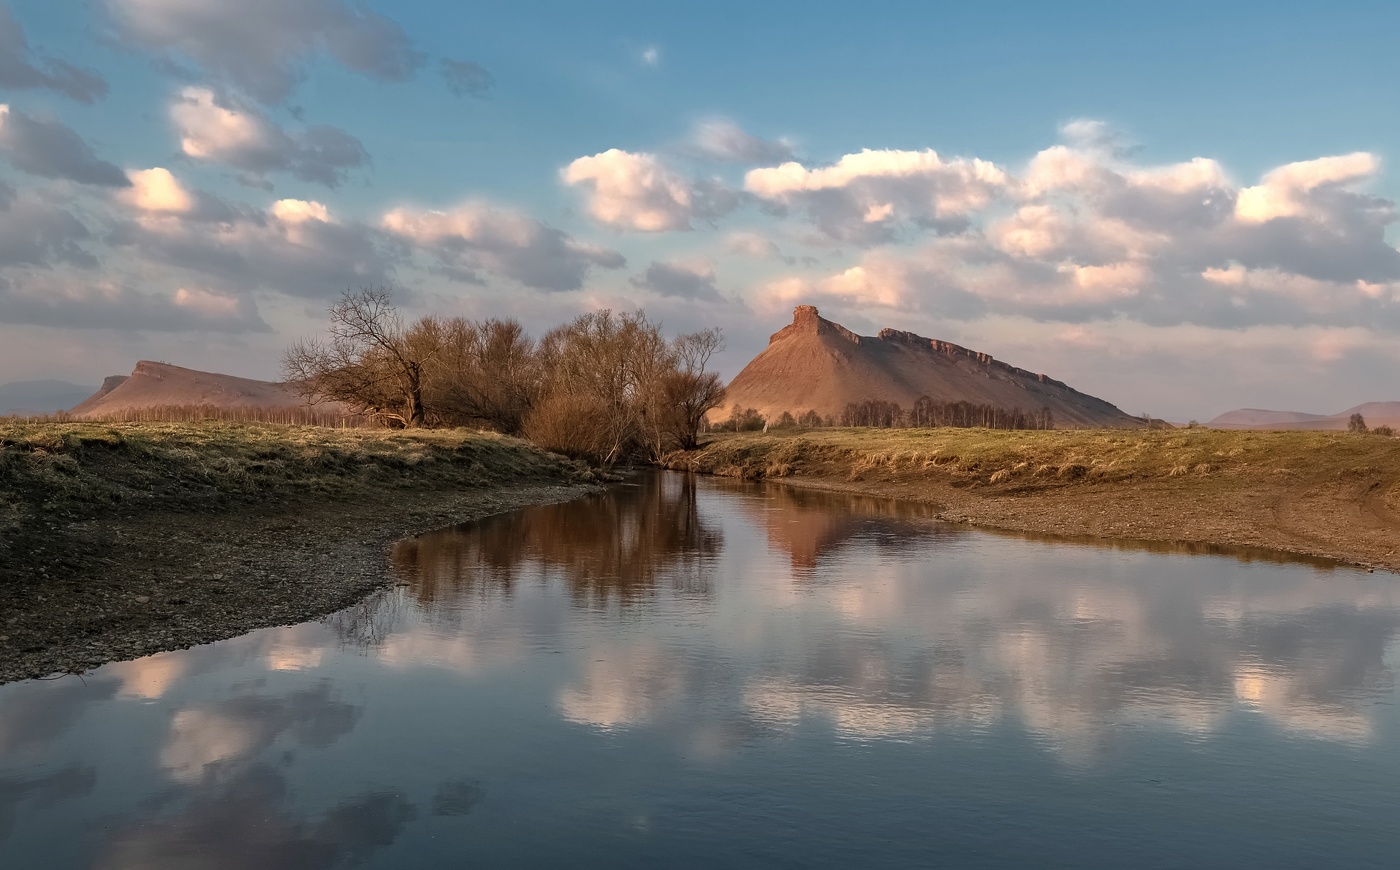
{"x":815,"y":364}
{"x":1376,"y":414}
{"x":154,"y":384}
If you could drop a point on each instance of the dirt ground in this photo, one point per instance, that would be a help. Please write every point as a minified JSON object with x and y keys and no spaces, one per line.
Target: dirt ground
{"x":1320,"y":494}
{"x":132,"y":584}
{"x":1346,"y":520}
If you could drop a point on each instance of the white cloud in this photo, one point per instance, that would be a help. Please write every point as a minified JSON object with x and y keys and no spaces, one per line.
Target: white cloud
{"x":157,"y":190}
{"x":868,"y":196}
{"x":216,"y":129}
{"x":651,"y":55}
{"x":262,"y":46}
{"x":295,"y":211}
{"x":638,"y":192}
{"x":476,"y":236}
{"x":1285,"y":192}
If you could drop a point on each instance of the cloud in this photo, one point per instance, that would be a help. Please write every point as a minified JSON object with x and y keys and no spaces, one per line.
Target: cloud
{"x":48,"y":148}
{"x":219,"y":130}
{"x":20,"y":70}
{"x":156,"y":193}
{"x":296,"y":247}
{"x":1096,"y":236}
{"x":869,"y":196}
{"x":722,"y":139}
{"x":35,"y":232}
{"x":1292,"y":190}
{"x":262,"y":47}
{"x":252,"y":819}
{"x":466,"y":78}
{"x":755,"y":245}
{"x":476,"y":236}
{"x":71,"y":302}
{"x":682,"y":280}
{"x":637,"y":192}
{"x":651,"y":55}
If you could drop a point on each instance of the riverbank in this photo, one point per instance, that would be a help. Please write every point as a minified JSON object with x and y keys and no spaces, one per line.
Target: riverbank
{"x":117,"y":541}
{"x":1334,"y":495}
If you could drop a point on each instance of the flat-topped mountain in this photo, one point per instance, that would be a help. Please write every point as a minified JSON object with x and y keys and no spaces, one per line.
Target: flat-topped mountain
{"x":155,"y":384}
{"x":815,"y":364}
{"x":1375,"y":414}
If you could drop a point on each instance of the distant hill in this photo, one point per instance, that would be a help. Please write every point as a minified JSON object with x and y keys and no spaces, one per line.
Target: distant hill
{"x":154,"y":384}
{"x":815,"y":364}
{"x":1376,"y":414}
{"x":35,"y":398}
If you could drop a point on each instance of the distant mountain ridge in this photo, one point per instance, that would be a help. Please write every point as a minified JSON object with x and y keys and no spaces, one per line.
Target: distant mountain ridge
{"x":157,"y":384}
{"x":38,"y":398}
{"x":816,"y":364}
{"x":1375,"y":413}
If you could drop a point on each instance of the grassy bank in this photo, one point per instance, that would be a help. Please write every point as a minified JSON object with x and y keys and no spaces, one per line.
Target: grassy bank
{"x":118,"y":540}
{"x":67,"y":471}
{"x":1330,"y":494}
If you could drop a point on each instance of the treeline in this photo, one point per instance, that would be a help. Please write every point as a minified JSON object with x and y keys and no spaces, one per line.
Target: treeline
{"x":605,"y":386}
{"x":926,"y":413}
{"x":308,"y":416}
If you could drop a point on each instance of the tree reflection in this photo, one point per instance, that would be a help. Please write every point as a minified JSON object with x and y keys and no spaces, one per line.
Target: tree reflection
{"x":620,"y":544}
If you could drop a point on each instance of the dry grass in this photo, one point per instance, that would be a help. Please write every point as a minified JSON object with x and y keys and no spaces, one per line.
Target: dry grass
{"x":289,"y":416}
{"x":1011,"y":459}
{"x":67,"y":470}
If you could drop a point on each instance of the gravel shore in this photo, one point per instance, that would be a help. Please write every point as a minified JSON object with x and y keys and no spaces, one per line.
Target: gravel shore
{"x":128,"y":586}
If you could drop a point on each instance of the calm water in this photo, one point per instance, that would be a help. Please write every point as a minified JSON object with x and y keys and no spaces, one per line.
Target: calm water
{"x":704,"y":674}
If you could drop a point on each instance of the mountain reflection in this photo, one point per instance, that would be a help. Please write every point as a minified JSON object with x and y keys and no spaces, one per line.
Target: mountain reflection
{"x":617,"y":544}
{"x":809,"y":524}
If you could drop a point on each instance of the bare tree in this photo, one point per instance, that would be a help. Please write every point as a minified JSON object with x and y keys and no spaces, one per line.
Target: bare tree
{"x":683,"y":392}
{"x":486,"y":373}
{"x":371,"y":362}
{"x":1357,"y":424}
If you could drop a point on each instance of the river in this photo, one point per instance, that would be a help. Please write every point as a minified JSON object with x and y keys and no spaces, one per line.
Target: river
{"x":695,"y":672}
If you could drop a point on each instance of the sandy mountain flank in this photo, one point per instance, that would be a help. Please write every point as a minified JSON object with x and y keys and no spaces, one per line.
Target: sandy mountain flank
{"x":815,"y":364}
{"x":1376,"y":414}
{"x":155,"y":384}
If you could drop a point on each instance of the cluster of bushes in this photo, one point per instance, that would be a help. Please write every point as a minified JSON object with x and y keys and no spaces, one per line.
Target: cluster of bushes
{"x":604,"y":387}
{"x":925,"y":414}
{"x":1357,"y":426}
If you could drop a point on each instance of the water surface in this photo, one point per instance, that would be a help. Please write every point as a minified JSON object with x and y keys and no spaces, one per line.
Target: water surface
{"x":705,"y":673}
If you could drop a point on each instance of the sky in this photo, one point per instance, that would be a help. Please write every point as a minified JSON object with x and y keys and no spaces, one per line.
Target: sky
{"x":1182,"y":208}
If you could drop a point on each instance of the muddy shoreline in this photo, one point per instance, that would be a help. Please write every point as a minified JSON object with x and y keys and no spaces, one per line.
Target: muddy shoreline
{"x":1260,"y":521}
{"x":121,"y":587}
{"x":1304,"y":494}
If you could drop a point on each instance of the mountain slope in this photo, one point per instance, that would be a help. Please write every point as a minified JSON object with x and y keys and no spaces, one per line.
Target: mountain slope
{"x":815,"y":364}
{"x":153,"y":384}
{"x":1376,"y":414}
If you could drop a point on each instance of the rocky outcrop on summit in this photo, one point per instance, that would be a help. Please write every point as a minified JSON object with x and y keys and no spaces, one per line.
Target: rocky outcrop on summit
{"x":815,"y":364}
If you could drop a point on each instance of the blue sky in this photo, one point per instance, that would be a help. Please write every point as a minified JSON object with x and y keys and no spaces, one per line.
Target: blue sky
{"x":1181,"y":207}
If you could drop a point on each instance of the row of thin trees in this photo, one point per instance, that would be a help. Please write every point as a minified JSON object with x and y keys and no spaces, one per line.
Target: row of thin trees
{"x":605,"y":386}
{"x":926,"y":413}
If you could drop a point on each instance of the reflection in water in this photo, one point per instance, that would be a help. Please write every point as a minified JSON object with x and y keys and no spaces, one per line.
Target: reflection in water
{"x":745,"y":675}
{"x":806,"y":524}
{"x":247,"y":823}
{"x":617,"y":544}
{"x":202,"y":738}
